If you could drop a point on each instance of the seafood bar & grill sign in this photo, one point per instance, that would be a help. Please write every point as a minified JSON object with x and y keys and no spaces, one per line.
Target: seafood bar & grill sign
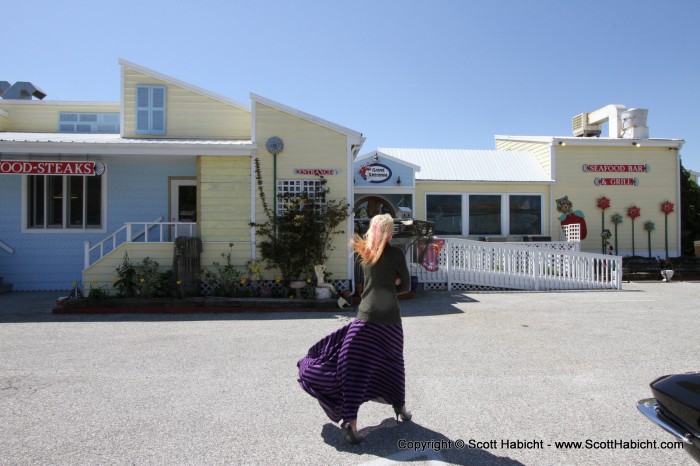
{"x":24,"y":167}
{"x":616,"y":168}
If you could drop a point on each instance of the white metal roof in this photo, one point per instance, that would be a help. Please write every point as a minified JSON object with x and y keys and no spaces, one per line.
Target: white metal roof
{"x":70,"y":143}
{"x":83,"y":138}
{"x":472,"y":165}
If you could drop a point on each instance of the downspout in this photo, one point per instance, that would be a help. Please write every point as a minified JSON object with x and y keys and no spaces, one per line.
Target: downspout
{"x":253,"y":155}
{"x":552,"y":169}
{"x":353,"y":149}
{"x":679,"y":225}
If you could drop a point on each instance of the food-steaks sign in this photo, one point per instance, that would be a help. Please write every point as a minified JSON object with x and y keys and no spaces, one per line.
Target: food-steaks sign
{"x":616,"y":168}
{"x":24,"y":167}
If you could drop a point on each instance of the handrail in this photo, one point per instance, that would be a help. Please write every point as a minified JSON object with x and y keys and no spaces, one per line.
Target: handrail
{"x":133,"y":232}
{"x":522,"y":266}
{"x":6,"y":247}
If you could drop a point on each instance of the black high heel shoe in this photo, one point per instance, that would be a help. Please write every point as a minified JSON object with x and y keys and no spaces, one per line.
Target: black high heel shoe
{"x":349,"y":435}
{"x":402,"y":413}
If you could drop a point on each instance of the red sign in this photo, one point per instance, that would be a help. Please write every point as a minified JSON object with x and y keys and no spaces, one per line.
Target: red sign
{"x":316,"y":171}
{"x":639,"y":168}
{"x":616,"y":181}
{"x":24,"y":167}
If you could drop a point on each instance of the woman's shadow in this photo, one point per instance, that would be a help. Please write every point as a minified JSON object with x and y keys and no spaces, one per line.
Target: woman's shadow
{"x":408,"y":441}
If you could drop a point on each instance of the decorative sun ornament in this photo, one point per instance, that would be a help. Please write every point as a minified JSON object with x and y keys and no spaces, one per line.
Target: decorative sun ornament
{"x":274,"y":145}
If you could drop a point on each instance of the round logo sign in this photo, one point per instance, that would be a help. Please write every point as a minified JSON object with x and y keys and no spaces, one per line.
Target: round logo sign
{"x":375,"y":173}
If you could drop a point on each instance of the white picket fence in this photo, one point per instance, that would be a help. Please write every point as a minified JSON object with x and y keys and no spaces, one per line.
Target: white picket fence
{"x":520,"y":266}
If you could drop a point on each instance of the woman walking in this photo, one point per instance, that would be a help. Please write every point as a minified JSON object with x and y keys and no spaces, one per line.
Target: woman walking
{"x":363,"y":361}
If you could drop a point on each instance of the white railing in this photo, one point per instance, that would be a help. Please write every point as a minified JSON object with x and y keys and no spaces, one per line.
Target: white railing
{"x":6,"y":247}
{"x":524,"y":266}
{"x":137,"y":232}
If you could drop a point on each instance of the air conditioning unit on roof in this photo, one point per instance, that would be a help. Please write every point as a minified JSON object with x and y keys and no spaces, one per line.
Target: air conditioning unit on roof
{"x":582,"y":128}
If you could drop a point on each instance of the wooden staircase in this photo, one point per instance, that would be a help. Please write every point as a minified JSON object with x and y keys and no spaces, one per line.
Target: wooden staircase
{"x":5,"y":287}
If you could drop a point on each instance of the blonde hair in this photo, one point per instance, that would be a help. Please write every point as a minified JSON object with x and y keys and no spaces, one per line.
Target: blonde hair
{"x":371,"y":246}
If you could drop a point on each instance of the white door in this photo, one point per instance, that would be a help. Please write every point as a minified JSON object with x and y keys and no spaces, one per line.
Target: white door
{"x":183,"y":205}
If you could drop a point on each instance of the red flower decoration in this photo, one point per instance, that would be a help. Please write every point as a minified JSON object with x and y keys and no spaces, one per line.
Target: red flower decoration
{"x":603,"y":203}
{"x":667,"y":207}
{"x":633,"y":212}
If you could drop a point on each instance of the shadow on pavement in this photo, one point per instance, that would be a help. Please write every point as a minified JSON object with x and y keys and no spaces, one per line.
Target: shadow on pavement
{"x":22,"y":307}
{"x":409,"y":441}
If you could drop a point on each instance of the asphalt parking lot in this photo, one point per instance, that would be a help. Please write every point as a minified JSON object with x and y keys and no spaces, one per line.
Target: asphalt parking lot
{"x":511,"y":375}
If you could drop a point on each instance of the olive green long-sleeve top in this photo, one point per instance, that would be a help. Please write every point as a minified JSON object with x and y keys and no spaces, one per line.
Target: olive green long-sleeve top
{"x":379,"y":303}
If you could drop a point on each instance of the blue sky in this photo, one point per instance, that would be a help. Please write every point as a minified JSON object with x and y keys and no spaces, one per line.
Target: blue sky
{"x":441,"y":74}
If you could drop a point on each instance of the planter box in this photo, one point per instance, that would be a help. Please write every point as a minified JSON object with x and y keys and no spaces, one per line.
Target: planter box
{"x":191,"y":305}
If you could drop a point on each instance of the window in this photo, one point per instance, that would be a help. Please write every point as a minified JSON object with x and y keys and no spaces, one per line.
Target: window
{"x":64,"y":202}
{"x":445,"y":210}
{"x":484,"y":214}
{"x":150,"y":110}
{"x":71,"y":122}
{"x":525,"y":214}
{"x":287,"y":190}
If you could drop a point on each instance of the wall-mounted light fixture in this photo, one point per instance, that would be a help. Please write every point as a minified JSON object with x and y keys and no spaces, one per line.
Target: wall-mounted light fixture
{"x":398,"y":181}
{"x":562,"y":143}
{"x":375,"y":157}
{"x":636,"y":144}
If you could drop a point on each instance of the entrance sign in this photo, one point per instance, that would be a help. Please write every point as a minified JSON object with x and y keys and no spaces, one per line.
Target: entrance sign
{"x":375,"y":172}
{"x":24,"y":167}
{"x":316,"y":171}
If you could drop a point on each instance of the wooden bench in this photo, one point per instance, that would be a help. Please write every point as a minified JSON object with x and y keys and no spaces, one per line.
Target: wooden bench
{"x":684,"y":267}
{"x":640,"y":267}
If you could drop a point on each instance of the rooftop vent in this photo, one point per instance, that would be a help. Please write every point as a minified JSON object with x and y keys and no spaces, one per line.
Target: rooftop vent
{"x":4,"y":85}
{"x":23,"y":90}
{"x":622,"y":122}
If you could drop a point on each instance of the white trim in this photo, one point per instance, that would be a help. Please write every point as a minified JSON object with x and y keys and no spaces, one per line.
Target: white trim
{"x":253,"y":212}
{"x":307,"y":116}
{"x":130,"y":148}
{"x":177,"y":82}
{"x":121,"y":102}
{"x":384,"y":190}
{"x":580,"y":141}
{"x":382,"y":155}
{"x":419,"y":181}
{"x":91,"y":103}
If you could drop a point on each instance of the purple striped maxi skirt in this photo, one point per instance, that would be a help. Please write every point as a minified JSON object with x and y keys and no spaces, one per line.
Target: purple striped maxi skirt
{"x":357,"y":363}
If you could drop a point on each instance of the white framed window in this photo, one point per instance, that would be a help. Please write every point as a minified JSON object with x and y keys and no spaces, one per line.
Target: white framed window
{"x":150,"y":109}
{"x":446,"y":212}
{"x":74,"y":122}
{"x":66,"y":202}
{"x":525,"y":216}
{"x":485,"y":214}
{"x":289,"y":191}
